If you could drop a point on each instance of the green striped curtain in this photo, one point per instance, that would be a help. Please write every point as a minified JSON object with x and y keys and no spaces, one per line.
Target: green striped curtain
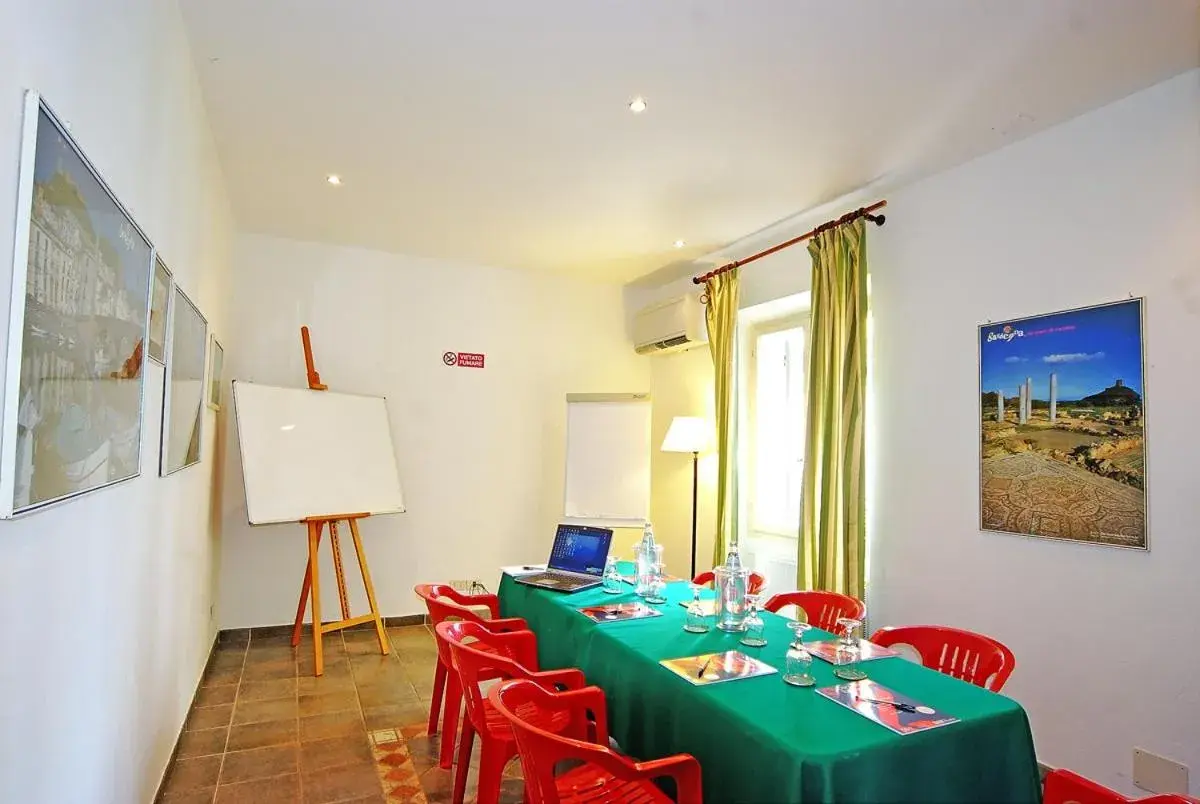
{"x":721,"y":317}
{"x":833,"y":521}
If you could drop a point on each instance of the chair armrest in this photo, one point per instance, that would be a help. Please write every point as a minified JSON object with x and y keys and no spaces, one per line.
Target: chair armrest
{"x":589,"y":716}
{"x":484,"y":599}
{"x":683,"y":768}
{"x":506,"y":625}
{"x":518,"y":644}
{"x":558,"y":680}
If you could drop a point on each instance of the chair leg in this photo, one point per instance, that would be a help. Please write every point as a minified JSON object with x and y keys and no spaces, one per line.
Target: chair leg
{"x":450,"y":721}
{"x":439,"y":683}
{"x":491,"y":773}
{"x":465,"y":743}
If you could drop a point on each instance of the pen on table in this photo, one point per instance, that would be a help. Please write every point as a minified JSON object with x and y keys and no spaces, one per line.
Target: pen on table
{"x":704,"y":668}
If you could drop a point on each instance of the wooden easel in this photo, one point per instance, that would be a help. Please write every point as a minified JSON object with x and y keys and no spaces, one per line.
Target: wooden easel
{"x":316,"y":524}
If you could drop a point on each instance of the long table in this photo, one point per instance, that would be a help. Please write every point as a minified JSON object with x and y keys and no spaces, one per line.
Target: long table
{"x":759,"y":740}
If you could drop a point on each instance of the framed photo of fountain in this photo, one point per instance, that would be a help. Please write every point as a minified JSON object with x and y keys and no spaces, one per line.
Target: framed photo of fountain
{"x":1062,"y":401}
{"x":80,"y":296}
{"x":185,"y":388}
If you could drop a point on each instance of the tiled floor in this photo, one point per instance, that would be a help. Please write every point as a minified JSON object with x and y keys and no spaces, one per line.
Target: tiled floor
{"x":263,"y":729}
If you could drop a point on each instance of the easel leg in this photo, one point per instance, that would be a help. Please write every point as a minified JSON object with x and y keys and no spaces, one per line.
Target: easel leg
{"x":314,"y":538}
{"x":304,"y":589}
{"x":366,"y":576}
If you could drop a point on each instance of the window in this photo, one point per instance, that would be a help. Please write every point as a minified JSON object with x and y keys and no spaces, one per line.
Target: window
{"x":776,"y":423}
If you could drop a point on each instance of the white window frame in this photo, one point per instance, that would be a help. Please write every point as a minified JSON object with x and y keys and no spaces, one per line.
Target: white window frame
{"x":749,"y":492}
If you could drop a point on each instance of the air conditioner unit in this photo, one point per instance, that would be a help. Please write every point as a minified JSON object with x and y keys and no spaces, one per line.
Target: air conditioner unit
{"x":670,"y":326}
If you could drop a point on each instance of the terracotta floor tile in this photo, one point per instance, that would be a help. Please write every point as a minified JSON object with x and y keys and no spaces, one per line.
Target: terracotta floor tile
{"x":215,"y":678}
{"x":278,"y":790}
{"x":258,"y":711}
{"x":233,"y":638}
{"x":270,"y":671}
{"x":203,"y":742}
{"x":321,"y":703}
{"x":221,"y":660}
{"x":215,"y":696}
{"x":193,"y":797}
{"x":396,"y":715}
{"x":208,"y":717}
{"x":267,"y":690}
{"x":339,"y":784}
{"x":336,"y":724}
{"x":321,"y":754}
{"x":309,"y":684}
{"x":334,"y":668}
{"x":259,"y":763}
{"x":274,"y":653}
{"x":261,"y":735}
{"x":386,"y":693}
{"x":189,"y":775}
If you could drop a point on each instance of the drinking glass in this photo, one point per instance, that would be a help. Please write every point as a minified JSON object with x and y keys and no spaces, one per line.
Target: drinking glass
{"x":847,"y":662}
{"x":658,"y":584}
{"x":612,"y":577}
{"x":799,"y":666}
{"x":799,"y":628}
{"x":755,"y":636}
{"x":697,"y":622}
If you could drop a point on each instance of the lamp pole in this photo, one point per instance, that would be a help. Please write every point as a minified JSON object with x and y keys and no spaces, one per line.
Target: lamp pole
{"x":695,"y":487}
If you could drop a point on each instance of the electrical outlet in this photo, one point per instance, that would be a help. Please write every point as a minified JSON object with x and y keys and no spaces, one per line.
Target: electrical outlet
{"x":1159,"y":774}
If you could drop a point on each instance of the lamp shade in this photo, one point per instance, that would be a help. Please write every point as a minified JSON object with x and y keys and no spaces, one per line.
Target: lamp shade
{"x":686,"y":434}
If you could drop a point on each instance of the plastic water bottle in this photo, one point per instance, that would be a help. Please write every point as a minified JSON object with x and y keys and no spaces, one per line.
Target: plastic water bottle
{"x":645,"y":554}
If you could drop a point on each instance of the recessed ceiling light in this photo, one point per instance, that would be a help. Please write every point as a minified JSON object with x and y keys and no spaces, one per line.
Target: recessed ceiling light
{"x":334,"y":179}
{"x":679,"y":244}
{"x":637,"y":105}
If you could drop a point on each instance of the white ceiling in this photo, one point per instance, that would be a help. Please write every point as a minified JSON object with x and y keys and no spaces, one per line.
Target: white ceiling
{"x":498,"y":133}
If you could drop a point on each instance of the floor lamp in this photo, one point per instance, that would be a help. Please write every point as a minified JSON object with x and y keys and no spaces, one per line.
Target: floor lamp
{"x":689,"y":434}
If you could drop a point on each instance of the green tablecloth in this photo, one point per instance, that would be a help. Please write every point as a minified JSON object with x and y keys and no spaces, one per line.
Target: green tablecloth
{"x":760,"y":740}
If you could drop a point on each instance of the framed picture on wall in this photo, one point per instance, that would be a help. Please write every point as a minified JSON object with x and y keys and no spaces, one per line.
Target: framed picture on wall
{"x":81,"y":290}
{"x":160,"y":302}
{"x":1062,"y":426}
{"x":214,"y":375}
{"x":183,"y":399}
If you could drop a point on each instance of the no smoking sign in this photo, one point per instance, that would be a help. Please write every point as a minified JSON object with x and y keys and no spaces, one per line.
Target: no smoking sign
{"x":463,"y":359}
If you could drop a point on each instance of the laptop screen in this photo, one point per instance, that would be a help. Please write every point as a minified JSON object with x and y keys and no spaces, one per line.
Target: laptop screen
{"x":578,"y":548}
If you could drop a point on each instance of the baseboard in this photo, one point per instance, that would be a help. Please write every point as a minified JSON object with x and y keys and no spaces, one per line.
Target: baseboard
{"x":1044,"y":769}
{"x":196,"y":692}
{"x":228,"y":636}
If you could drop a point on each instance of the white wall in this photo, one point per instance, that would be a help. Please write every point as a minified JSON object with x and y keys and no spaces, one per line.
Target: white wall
{"x":1090,"y":211}
{"x":104,"y":601}
{"x":480,"y":451}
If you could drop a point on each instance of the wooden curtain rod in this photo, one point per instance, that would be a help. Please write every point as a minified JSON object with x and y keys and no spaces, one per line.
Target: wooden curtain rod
{"x":861,"y":212}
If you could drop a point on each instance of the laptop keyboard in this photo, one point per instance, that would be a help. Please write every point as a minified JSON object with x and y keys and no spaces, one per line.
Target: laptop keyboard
{"x":554,"y":579}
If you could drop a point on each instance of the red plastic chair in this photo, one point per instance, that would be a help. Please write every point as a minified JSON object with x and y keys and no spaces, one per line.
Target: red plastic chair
{"x":1065,"y":787}
{"x":478,"y":655}
{"x":445,"y":603}
{"x":582,"y":734}
{"x":821,"y":609}
{"x":756,"y":584}
{"x":966,"y":655}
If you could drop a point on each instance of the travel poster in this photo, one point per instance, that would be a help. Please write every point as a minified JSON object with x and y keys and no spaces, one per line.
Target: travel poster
{"x":711,"y":668}
{"x":615,"y":612}
{"x":826,"y":650}
{"x":898,"y":712}
{"x":1062,"y":426}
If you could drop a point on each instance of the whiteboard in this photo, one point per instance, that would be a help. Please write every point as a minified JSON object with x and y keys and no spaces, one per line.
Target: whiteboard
{"x":314,"y":453}
{"x":608,"y":459}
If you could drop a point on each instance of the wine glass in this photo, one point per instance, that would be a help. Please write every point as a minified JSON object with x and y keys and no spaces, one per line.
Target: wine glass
{"x":799,"y":629}
{"x":847,"y":630}
{"x":697,"y":621}
{"x":848,"y":663}
{"x":799,"y":665}
{"x":658,"y":584}
{"x":612,"y":577}
{"x":754,"y":636}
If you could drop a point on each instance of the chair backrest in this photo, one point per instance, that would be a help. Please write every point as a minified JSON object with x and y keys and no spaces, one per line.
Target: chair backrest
{"x":444,"y":602}
{"x":821,"y":609}
{"x":478,"y":655}
{"x":966,"y":655}
{"x":754,"y":587}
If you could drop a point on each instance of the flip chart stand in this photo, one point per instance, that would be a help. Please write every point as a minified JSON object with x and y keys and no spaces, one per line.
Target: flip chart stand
{"x":311,"y":586}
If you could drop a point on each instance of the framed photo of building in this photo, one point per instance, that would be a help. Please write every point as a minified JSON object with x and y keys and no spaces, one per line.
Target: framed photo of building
{"x":183,"y":398}
{"x":215,"y":379}
{"x":1062,"y":426}
{"x":80,"y":295}
{"x":160,"y":303}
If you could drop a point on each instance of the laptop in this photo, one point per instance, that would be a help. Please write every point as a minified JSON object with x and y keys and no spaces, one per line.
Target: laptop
{"x":576,"y":560}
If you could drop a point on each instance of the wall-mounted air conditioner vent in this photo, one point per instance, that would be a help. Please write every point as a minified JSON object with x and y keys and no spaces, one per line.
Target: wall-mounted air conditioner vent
{"x":670,"y":326}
